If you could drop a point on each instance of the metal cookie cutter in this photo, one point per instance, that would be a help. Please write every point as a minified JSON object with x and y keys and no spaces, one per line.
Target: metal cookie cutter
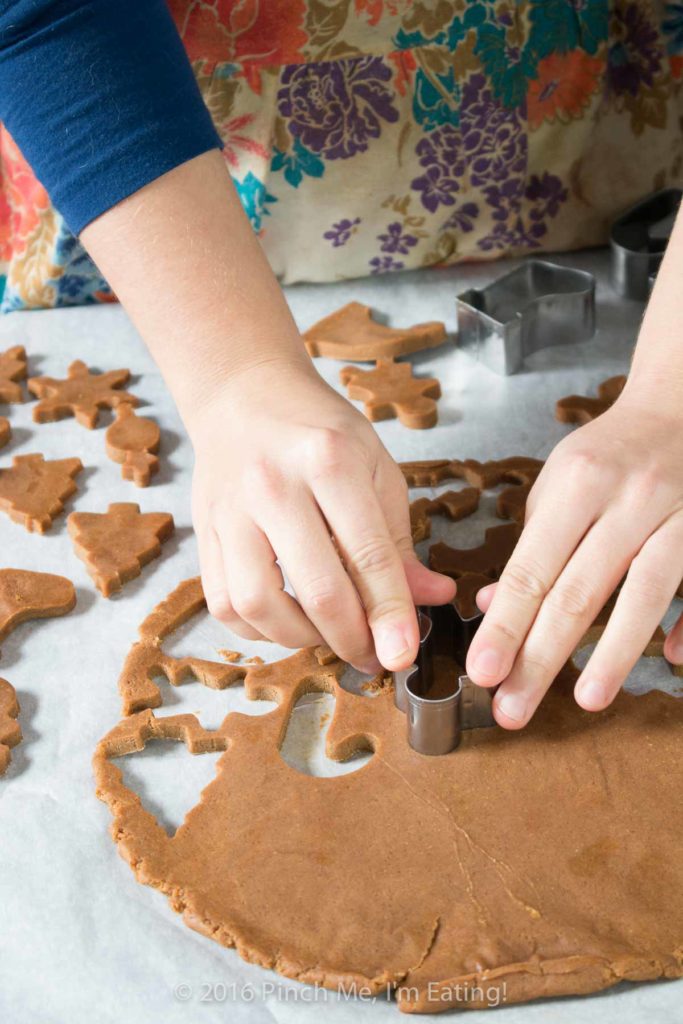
{"x":536,"y":306}
{"x":437,"y":715}
{"x":638,"y":240}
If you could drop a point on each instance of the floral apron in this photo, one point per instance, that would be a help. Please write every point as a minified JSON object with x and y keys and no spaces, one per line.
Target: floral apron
{"x":366,"y":136}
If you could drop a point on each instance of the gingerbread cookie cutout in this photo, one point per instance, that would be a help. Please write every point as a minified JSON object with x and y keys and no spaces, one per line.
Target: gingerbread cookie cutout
{"x":25,"y":595}
{"x":33,"y":490}
{"x":455,"y":505}
{"x":5,"y":431}
{"x":582,"y":409}
{"x":10,"y":730}
{"x":390,"y":391}
{"x":13,"y":368}
{"x":115,"y":545}
{"x":527,"y":893}
{"x":488,"y":559}
{"x":28,"y":595}
{"x":351,"y":333}
{"x":83,"y":394}
{"x":133,"y":441}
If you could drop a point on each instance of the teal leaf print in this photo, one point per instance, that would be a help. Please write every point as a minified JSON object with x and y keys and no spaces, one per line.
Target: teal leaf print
{"x":254,"y":196}
{"x":558,"y":26}
{"x":297,"y":164}
{"x":436,"y":102}
{"x":509,"y":67}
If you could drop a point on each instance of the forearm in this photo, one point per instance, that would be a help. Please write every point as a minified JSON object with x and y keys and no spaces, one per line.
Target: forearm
{"x":183,"y":259}
{"x":656,"y":375}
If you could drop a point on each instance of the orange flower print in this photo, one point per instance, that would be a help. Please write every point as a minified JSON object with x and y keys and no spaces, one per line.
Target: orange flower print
{"x":234,"y":140}
{"x":24,"y":198}
{"x":251,"y":32}
{"x":563,"y":88}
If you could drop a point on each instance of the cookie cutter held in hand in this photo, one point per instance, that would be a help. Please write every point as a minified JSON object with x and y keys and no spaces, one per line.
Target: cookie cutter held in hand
{"x":435,"y":720}
{"x":638,"y":240}
{"x":539,"y":305}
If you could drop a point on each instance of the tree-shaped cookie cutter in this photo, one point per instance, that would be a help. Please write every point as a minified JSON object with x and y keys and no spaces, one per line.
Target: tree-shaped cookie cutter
{"x":638,"y":240}
{"x":435,"y":719}
{"x":536,"y":306}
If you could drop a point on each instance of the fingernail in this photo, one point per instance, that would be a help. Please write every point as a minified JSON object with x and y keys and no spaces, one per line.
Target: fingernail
{"x":487,"y":663}
{"x":593,"y":694}
{"x":392,"y":645}
{"x":371,"y":668}
{"x":514,"y":706}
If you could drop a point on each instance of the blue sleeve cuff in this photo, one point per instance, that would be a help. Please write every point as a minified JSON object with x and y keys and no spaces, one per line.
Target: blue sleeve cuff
{"x":100,"y":98}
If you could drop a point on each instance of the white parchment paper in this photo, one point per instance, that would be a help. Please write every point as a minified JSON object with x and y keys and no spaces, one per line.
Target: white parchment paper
{"x":80,"y":940}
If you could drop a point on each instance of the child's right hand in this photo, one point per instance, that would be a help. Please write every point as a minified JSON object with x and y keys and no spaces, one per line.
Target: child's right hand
{"x":284,"y":465}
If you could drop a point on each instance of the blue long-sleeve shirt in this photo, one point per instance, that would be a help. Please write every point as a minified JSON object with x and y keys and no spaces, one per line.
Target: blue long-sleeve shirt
{"x":100,"y":97}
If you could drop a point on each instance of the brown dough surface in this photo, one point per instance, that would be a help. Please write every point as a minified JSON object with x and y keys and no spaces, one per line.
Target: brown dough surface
{"x":488,"y":559}
{"x":133,"y":441}
{"x":82,"y":394}
{"x":25,"y":595}
{"x":10,"y":730}
{"x":12,"y":370}
{"x":33,"y":490}
{"x":5,"y":431}
{"x":391,"y":390}
{"x":351,"y":333}
{"x":546,"y":861}
{"x":116,"y":544}
{"x":582,"y":409}
{"x":453,"y":504}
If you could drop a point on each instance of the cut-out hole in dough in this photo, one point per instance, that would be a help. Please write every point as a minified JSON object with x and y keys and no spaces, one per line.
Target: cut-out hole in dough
{"x":304,"y":744}
{"x":209,"y":705}
{"x":202,"y":636}
{"x":168,"y":779}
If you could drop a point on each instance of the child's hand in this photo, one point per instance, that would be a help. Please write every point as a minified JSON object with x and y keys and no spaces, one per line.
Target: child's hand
{"x":283,"y":464}
{"x":608,"y":503}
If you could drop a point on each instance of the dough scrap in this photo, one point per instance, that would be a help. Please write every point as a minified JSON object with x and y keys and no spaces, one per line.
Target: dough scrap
{"x":391,"y":390}
{"x":582,"y":409}
{"x":82,"y":394}
{"x":13,"y":368}
{"x":453,"y":504}
{"x":116,"y":544}
{"x":133,"y":442}
{"x":351,"y":333}
{"x":488,"y":559}
{"x":10,"y":730}
{"x":526,"y":893}
{"x":33,"y":490}
{"x":5,"y":431}
{"x":518,"y":470}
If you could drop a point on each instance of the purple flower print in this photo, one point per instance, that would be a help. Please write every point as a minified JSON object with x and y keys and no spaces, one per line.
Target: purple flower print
{"x":635,"y":54}
{"x":493,"y":141}
{"x":383,"y":264}
{"x":340,"y":232}
{"x":462,"y":218}
{"x":395,"y":241}
{"x":547,"y":193}
{"x":336,"y":108}
{"x":440,"y":154}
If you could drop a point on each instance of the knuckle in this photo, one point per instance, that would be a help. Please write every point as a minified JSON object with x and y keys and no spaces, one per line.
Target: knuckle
{"x":320,"y":595}
{"x":250,"y":604}
{"x":650,"y":580}
{"x":220,"y":606}
{"x":537,"y":664}
{"x":375,"y":557}
{"x":571,"y":599}
{"x":524,"y":580}
{"x":263,"y":478}
{"x":388,"y":609}
{"x":647,"y":484}
{"x":326,"y":452}
{"x":504,"y":632}
{"x":581,"y":463}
